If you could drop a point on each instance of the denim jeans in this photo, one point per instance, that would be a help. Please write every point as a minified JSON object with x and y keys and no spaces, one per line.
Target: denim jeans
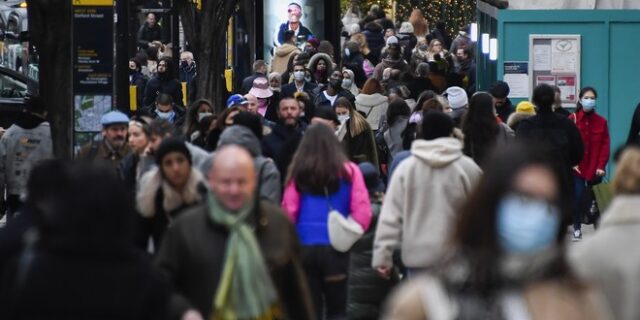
{"x":580,"y":189}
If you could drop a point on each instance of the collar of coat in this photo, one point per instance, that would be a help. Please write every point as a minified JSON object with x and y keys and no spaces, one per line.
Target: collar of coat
{"x":622,"y":210}
{"x":151,"y":183}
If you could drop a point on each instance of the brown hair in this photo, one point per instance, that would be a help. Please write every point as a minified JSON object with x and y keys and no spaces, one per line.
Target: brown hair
{"x":357,"y":122}
{"x":419,"y":23}
{"x":432,"y":104}
{"x":475,"y":234}
{"x":627,"y":177}
{"x":312,"y":173}
{"x":372,"y":86}
{"x":220,"y":121}
{"x":361,"y":39}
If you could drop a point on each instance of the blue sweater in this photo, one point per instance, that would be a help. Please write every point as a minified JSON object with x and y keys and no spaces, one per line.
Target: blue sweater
{"x":314,"y":211}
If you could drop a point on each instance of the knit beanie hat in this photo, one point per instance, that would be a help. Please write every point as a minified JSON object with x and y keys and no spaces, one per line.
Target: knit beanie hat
{"x":436,"y":124}
{"x":499,"y":89}
{"x":172,"y":145}
{"x":457,"y":97}
{"x":326,"y":113}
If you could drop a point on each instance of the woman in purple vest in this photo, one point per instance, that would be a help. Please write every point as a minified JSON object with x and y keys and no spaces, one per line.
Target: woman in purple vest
{"x":322,"y":178}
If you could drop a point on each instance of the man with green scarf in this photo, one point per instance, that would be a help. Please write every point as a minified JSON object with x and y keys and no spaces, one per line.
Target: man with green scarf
{"x":234,"y":257}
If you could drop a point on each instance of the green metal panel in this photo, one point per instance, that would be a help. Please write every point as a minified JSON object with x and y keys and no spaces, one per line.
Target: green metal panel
{"x":609,"y":60}
{"x":624,"y":70}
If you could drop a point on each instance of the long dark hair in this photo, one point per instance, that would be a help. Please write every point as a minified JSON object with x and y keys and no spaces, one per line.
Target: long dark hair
{"x":480,"y":127}
{"x":397,"y":108}
{"x":475,"y":234}
{"x":319,"y":162}
{"x":191,"y":123}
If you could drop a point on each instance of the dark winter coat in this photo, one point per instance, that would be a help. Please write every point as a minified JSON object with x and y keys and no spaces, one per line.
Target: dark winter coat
{"x":595,"y":138}
{"x":281,"y":144}
{"x":158,"y":85}
{"x":45,"y":284}
{"x":361,"y":147}
{"x":634,"y":130}
{"x":366,"y":289}
{"x":148,"y":34}
{"x":140,"y":81}
{"x":408,"y":42}
{"x":375,"y":39}
{"x":289,"y":89}
{"x":560,"y":138}
{"x":192,"y":255}
{"x":505,"y":110}
{"x":159,"y":204}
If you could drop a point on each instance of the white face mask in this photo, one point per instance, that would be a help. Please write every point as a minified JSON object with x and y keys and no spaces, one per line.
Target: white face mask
{"x":298,"y":75}
{"x":343,"y":118}
{"x":202,"y":115}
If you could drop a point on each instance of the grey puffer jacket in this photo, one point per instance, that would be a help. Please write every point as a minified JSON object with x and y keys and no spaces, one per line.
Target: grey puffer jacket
{"x":269,"y":176}
{"x":22,"y":146}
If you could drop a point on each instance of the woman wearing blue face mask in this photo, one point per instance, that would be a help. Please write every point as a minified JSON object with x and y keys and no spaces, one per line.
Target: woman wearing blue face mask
{"x":595,"y":137}
{"x":507,"y":257}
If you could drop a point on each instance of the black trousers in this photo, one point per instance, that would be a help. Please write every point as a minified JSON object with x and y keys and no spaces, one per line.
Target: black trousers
{"x":326,"y":270}
{"x":13,"y":206}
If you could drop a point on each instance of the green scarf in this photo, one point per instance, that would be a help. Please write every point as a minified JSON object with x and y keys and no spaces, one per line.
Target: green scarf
{"x":246,"y":290}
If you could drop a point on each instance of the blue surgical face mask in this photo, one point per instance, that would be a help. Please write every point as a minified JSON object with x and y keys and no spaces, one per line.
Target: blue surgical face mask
{"x":165,"y":115}
{"x":346,"y":83}
{"x":588,"y":104}
{"x":526,"y":225}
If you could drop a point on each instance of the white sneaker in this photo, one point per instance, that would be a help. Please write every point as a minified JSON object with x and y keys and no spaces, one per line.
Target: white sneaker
{"x":577,"y":235}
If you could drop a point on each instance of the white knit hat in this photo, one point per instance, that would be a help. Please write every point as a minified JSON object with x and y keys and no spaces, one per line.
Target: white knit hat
{"x":406,"y":27}
{"x":392,"y":40}
{"x":457,"y":97}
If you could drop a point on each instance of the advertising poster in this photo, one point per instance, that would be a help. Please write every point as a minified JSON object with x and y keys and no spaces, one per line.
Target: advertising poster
{"x":516,"y":74}
{"x":550,"y":80}
{"x":304,"y":17}
{"x":567,"y":85}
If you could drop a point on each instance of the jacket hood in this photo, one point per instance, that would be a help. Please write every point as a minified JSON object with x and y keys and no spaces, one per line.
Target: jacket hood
{"x":623,"y":210}
{"x":152,"y":181}
{"x":241,"y":136}
{"x":314,"y":61}
{"x":437,"y":153}
{"x":370,"y":100}
{"x":516,"y":117}
{"x":285,"y":50}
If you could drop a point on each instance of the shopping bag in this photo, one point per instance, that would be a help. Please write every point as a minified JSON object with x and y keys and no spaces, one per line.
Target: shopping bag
{"x":603,"y":195}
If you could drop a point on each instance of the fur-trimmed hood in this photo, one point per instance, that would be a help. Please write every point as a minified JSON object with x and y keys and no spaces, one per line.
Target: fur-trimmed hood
{"x":516,"y":117}
{"x":313,"y":62}
{"x":152,"y":181}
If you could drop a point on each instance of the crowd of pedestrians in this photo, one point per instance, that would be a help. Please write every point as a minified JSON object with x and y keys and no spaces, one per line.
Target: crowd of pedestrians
{"x":379,"y":187}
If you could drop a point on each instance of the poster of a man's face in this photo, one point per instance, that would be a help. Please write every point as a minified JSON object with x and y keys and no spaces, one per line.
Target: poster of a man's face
{"x":295,"y":13}
{"x":302,"y":17}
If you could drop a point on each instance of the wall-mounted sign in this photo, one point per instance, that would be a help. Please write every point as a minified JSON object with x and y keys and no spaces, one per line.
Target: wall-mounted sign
{"x":555,"y":60}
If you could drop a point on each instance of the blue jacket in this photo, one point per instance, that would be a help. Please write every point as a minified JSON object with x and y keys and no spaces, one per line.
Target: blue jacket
{"x":314,"y":211}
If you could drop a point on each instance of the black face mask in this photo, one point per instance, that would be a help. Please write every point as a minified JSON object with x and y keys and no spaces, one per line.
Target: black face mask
{"x":336,"y":84}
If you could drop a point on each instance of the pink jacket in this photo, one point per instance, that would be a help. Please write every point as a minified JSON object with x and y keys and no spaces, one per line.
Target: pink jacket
{"x":360,"y":203}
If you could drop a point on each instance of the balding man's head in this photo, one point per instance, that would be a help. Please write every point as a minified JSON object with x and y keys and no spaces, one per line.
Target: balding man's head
{"x":232,"y":177}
